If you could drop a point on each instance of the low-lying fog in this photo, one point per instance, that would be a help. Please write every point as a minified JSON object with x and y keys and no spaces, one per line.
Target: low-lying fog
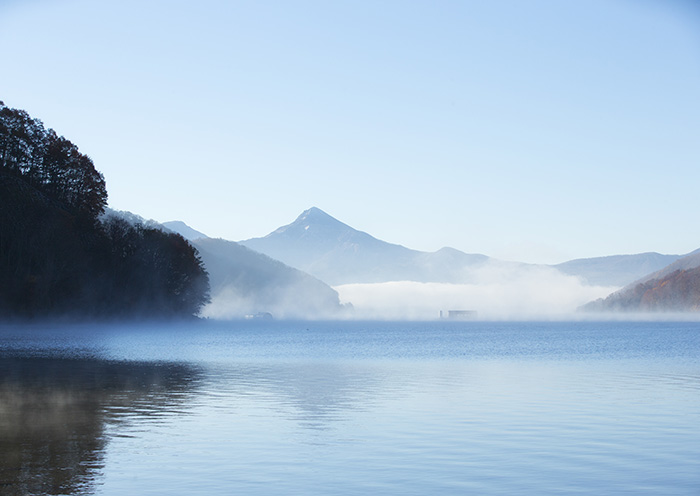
{"x":497,"y":292}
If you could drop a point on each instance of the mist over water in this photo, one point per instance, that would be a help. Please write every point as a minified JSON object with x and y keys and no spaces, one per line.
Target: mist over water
{"x":496,"y":292}
{"x":231,"y":303}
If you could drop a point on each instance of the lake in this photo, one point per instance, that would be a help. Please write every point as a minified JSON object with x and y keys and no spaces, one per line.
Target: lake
{"x":351,"y":408}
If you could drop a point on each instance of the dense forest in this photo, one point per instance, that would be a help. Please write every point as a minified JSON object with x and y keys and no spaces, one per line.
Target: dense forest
{"x":59,"y":255}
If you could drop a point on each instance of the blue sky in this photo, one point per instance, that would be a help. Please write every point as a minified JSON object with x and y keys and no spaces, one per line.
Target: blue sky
{"x":535,"y":131}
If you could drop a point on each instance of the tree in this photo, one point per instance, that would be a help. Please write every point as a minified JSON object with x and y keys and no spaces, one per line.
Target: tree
{"x":50,"y":163}
{"x":58,"y":257}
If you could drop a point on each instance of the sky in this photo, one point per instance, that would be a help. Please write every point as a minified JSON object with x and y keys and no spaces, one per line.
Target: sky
{"x":537,"y":131}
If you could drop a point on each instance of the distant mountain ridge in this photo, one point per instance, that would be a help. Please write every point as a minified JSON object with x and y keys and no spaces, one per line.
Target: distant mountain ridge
{"x":675,"y":288}
{"x":316,"y":247}
{"x":689,"y":261}
{"x":338,"y":254}
{"x":184,"y":230}
{"x":246,"y":282}
{"x":616,"y":270}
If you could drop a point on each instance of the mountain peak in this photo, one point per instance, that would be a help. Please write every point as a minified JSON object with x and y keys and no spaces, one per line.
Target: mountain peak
{"x":314,"y":213}
{"x":313,"y":220}
{"x":339,"y":254}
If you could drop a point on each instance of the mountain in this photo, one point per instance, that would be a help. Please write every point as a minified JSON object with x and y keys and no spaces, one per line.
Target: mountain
{"x":246,"y":282}
{"x":616,"y":270}
{"x":184,"y":230}
{"x":689,"y":261}
{"x":675,"y":288}
{"x":338,"y":254}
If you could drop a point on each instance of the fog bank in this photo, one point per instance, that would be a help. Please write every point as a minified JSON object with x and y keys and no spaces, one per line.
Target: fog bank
{"x":497,"y":292}
{"x":296,"y":302}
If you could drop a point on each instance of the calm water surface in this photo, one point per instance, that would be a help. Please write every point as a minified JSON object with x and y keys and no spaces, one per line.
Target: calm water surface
{"x":351,"y":408}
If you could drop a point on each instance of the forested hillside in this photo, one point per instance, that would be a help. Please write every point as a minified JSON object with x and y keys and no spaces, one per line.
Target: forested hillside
{"x":675,"y":288}
{"x":57,"y":257}
{"x":247,"y":282}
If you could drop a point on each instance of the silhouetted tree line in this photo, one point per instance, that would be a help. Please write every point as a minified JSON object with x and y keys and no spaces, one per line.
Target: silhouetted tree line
{"x":59,"y":256}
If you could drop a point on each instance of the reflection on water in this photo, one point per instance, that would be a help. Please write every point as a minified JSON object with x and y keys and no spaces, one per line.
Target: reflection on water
{"x":312,"y":394}
{"x":53,"y":414}
{"x":350,"y":409}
